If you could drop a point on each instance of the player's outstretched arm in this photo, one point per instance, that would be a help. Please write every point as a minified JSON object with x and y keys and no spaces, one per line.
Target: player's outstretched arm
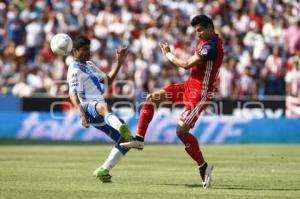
{"x":121,"y":54}
{"x":186,"y":64}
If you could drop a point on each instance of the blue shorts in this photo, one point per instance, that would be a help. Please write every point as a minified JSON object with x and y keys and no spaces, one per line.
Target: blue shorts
{"x":98,"y":122}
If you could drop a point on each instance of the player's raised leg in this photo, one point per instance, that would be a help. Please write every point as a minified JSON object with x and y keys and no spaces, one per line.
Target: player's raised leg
{"x":146,"y":114}
{"x":113,"y":121}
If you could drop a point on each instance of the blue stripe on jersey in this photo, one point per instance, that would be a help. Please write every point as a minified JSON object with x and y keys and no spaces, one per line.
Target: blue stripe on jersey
{"x":87,"y":71}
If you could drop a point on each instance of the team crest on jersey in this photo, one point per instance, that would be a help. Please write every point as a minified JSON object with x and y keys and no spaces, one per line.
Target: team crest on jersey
{"x":204,"y":51}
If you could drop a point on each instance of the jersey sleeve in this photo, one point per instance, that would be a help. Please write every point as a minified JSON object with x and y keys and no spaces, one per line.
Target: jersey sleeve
{"x":99,"y":73}
{"x":74,"y":81}
{"x":208,"y":52}
{"x":101,"y":76}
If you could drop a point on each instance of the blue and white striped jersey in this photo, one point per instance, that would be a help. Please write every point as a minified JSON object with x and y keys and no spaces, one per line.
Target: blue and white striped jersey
{"x":85,"y":80}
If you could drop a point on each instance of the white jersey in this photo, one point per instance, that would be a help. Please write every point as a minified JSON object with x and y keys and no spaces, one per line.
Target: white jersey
{"x":293,"y":78}
{"x":86,"y":80}
{"x":227,"y":78}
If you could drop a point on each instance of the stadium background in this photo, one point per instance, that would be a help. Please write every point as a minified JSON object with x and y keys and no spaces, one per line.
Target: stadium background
{"x":45,"y":153}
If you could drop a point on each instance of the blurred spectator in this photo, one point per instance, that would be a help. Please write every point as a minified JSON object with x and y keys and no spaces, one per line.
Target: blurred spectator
{"x":14,"y":25}
{"x":273,"y":31}
{"x":293,"y":87}
{"x":255,"y":43}
{"x":293,"y":37}
{"x":241,"y":21}
{"x":292,"y":77}
{"x":2,"y":33}
{"x":228,"y":79}
{"x":34,"y":37}
{"x":273,"y":73}
{"x":261,"y":39}
{"x":246,"y":86}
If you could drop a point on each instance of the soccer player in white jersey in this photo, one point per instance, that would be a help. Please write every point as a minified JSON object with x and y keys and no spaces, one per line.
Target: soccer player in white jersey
{"x":86,"y":87}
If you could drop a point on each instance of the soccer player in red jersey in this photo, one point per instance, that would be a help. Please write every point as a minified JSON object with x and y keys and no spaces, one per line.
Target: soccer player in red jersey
{"x":195,"y":93}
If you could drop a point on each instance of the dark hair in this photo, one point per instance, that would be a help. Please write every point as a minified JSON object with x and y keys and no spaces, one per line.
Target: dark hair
{"x":80,"y":41}
{"x":202,"y":20}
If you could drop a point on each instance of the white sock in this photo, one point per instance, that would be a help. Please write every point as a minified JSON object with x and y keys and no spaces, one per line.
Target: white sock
{"x":114,"y":157}
{"x":113,"y":121}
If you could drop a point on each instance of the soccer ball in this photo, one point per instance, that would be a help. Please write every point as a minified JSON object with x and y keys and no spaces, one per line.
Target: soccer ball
{"x":61,"y":44}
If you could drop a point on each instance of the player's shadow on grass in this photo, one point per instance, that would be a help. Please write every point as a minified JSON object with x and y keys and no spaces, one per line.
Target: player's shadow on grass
{"x":186,"y":185}
{"x":239,"y":187}
{"x":235,"y":187}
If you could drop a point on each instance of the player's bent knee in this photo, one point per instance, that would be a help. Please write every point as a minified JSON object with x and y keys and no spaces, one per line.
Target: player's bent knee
{"x":150,"y":98}
{"x":180,"y":130}
{"x":101,"y":109}
{"x":154,"y":98}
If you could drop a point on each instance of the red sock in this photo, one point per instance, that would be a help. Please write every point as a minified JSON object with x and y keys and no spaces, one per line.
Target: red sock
{"x":192,"y":147}
{"x":145,"y":118}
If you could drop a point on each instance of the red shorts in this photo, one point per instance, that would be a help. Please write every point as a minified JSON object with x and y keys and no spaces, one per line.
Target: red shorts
{"x":192,"y":99}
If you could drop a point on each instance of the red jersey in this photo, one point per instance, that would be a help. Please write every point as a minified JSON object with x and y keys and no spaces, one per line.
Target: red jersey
{"x":195,"y":92}
{"x":203,"y":75}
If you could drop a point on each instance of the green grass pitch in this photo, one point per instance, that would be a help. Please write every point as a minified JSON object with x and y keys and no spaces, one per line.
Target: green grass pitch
{"x":159,"y":171}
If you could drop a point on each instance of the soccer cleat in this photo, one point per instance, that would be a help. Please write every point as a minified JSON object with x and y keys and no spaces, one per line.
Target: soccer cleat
{"x":102,"y":174}
{"x":206,"y":174}
{"x":125,"y":132}
{"x":135,"y":144}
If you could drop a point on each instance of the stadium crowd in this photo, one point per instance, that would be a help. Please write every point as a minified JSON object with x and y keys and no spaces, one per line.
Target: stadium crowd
{"x":261,"y":43}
